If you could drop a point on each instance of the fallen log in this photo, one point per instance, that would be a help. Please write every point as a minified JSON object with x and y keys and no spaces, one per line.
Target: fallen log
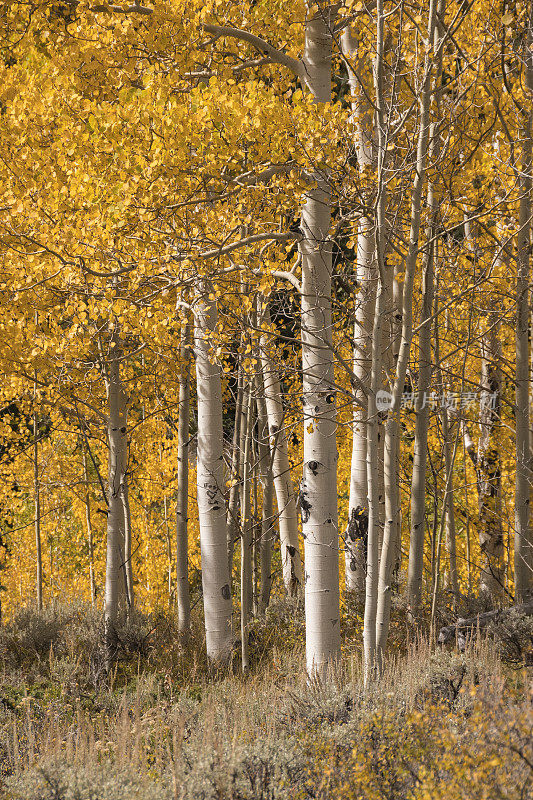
{"x":466,"y":628}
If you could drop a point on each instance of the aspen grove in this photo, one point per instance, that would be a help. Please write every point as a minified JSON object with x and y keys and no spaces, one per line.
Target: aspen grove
{"x":265,"y":312}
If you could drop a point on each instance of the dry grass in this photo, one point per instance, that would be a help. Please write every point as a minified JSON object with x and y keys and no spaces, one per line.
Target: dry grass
{"x":161,"y":727}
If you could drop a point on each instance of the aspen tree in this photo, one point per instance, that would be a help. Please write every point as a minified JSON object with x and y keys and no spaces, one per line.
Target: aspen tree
{"x":523,"y":544}
{"x":319,"y":481}
{"x":182,"y":498}
{"x":487,"y":460}
{"x":115,"y":581}
{"x":233,"y":502}
{"x":489,"y":463}
{"x":128,"y":569}
{"x":418,"y":482}
{"x":285,"y":496}
{"x":449,"y":441}
{"x":37,"y":507}
{"x":392,"y":509}
{"x":267,"y":484}
{"x":210,"y":484}
{"x":92,"y":581}
{"x":357,"y":528}
{"x":373,"y":421}
{"x":246,"y":529}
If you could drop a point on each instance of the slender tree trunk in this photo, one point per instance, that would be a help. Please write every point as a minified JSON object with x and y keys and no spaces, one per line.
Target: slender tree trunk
{"x":115,"y":583}
{"x":182,"y":499}
{"x":37,"y":497}
{"x":267,"y":515}
{"x":125,"y":497}
{"x":210,"y":484}
{"x":523,"y":543}
{"x":467,"y":527}
{"x":436,"y":582}
{"x":256,"y":527}
{"x":357,"y":529}
{"x":447,"y":435}
{"x":448,"y":514}
{"x":235,"y":475}
{"x":246,"y":531}
{"x":285,"y":496}
{"x":37,"y":511}
{"x":319,"y":481}
{"x":392,"y":505}
{"x":373,"y":419}
{"x":92,"y":582}
{"x":396,"y":337}
{"x":489,"y":464}
{"x":418,"y":483}
{"x":170,"y":560}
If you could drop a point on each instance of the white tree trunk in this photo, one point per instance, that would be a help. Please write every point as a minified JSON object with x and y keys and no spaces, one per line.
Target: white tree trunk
{"x":235,"y":475}
{"x":115,"y":582}
{"x":246,"y":531}
{"x":285,"y":496}
{"x":37,"y":512}
{"x":373,"y":420}
{"x":392,"y":505}
{"x":210,"y":486}
{"x":449,"y":458}
{"x":319,"y":481}
{"x":489,"y":463}
{"x":128,"y":568}
{"x":418,"y":483}
{"x":357,"y":528}
{"x":182,"y":499}
{"x":92,"y":582}
{"x":267,"y":513}
{"x":523,"y":540}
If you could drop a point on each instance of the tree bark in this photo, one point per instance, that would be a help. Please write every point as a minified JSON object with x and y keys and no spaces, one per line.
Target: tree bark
{"x":356,"y":533}
{"x":319,"y":480}
{"x":235,"y":474}
{"x":182,"y":499}
{"x":449,"y":458}
{"x":246,"y":531}
{"x":128,"y":568}
{"x":373,"y":417}
{"x":210,"y":486}
{"x":418,"y":482}
{"x":37,"y":512}
{"x":392,"y":505}
{"x":523,"y":540}
{"x":267,"y":512}
{"x":115,"y":583}
{"x":92,"y":582}
{"x":489,"y":464}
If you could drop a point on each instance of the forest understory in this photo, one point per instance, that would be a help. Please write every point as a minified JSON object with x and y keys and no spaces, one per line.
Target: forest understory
{"x":438,"y":724}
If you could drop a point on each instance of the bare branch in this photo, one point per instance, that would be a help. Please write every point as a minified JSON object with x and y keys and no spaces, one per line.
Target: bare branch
{"x":253,"y":178}
{"x":107,"y":274}
{"x":288,"y":276}
{"x":261,"y":45}
{"x":257,"y":237}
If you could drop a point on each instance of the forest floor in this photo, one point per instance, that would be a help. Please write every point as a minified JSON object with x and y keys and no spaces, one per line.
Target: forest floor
{"x":438,"y":724}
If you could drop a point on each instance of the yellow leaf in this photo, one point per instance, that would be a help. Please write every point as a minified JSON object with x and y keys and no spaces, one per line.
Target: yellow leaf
{"x":507,"y":19}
